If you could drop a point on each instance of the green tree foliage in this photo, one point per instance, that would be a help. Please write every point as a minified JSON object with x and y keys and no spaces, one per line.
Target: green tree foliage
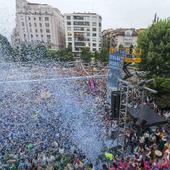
{"x":155,"y":45}
{"x":99,"y":56}
{"x":6,"y":51}
{"x":86,"y":55}
{"x":103,"y":55}
{"x":162,"y":85}
{"x":64,"y":55}
{"x":32,"y":52}
{"x":121,"y":47}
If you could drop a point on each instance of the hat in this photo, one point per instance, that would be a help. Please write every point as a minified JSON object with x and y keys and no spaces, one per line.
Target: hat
{"x":164,"y":138}
{"x":109,"y":156}
{"x":158,"y":153}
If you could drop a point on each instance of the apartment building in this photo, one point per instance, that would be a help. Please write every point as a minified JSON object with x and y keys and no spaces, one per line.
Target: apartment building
{"x":83,"y":30}
{"x":108,"y":38}
{"x":38,"y":23}
{"x":123,"y":36}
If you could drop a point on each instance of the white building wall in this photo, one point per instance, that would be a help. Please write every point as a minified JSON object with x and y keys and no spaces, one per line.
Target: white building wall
{"x":87,"y":32}
{"x":39,"y":22}
{"x":120,"y":40}
{"x":126,"y":41}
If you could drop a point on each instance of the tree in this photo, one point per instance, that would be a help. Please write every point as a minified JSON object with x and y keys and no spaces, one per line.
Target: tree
{"x":32,"y":52}
{"x":155,"y":45}
{"x":6,"y":51}
{"x":103,"y":55}
{"x":162,"y":85}
{"x":64,"y":55}
{"x":121,"y":47}
{"x":86,"y":55}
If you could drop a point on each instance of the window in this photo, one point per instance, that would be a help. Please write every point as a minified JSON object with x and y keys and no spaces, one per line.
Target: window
{"x":78,"y":29}
{"x":69,"y":34}
{"x":48,"y":37}
{"x":81,"y":23}
{"x":69,"y":28}
{"x":94,"y":34}
{"x":94,"y":24}
{"x":35,"y":24}
{"x":37,"y":35}
{"x":47,"y":24}
{"x":86,"y":18}
{"x":70,"y":44}
{"x":94,"y":40}
{"x":41,"y":30}
{"x":69,"y":39}
{"x":78,"y":18}
{"x":68,"y":17}
{"x":93,"y":18}
{"x":24,"y":35}
{"x":100,"y":24}
{"x":68,"y":23}
{"x":23,"y":24}
{"x":128,"y":33}
{"x":29,"y":18}
{"x":31,"y":36}
{"x":94,"y":29}
{"x":34,"y":19}
{"x":94,"y":49}
{"x":47,"y":31}
{"x":30,"y":24}
{"x":88,"y":34}
{"x":36,"y":30}
{"x":79,"y":44}
{"x":41,"y":36}
{"x":94,"y":44}
{"x":40,"y":25}
{"x":77,"y":49}
{"x":39,"y":18}
{"x":46,"y":18}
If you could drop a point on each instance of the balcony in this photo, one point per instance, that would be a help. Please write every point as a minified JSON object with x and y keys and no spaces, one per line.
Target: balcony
{"x":81,"y":23}
{"x":80,"y":44}
{"x":80,"y":39}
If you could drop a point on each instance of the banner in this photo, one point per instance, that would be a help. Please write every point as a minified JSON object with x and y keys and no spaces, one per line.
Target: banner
{"x":115,"y":72}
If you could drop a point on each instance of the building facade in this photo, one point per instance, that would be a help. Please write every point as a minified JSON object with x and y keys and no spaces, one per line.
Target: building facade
{"x":83,"y":30}
{"x":38,"y":23}
{"x":108,"y":38}
{"x":122,"y":36}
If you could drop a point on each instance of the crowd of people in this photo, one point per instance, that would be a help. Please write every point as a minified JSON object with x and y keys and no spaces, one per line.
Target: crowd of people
{"x":30,"y":119}
{"x":33,"y":137}
{"x":148,"y":151}
{"x":162,"y":112}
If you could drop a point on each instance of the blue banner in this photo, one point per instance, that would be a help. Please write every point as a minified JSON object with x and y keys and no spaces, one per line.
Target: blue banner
{"x":114,"y":73}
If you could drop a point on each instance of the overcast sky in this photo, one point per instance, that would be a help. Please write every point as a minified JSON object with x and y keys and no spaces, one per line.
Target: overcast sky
{"x":115,"y":13}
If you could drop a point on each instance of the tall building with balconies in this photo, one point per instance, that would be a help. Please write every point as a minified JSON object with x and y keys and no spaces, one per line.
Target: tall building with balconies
{"x":38,"y":23}
{"x":83,"y":30}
